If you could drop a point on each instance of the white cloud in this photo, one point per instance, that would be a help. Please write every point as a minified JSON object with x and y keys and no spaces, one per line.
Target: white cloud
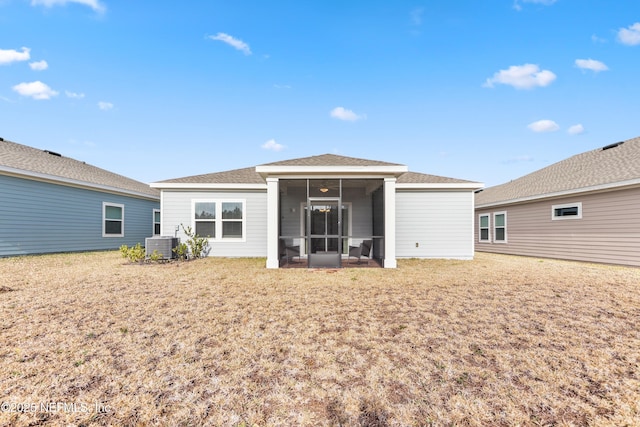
{"x":544,"y":126}
{"x":93,"y":4}
{"x":232,"y":41}
{"x":575,"y":129}
{"x":519,"y":159}
{"x":105,"y":106}
{"x":35,"y":90}
{"x":525,"y":76}
{"x":39,"y":65}
{"x":631,"y":35}
{"x":596,"y":39}
{"x":416,"y":16}
{"x":591,"y":64}
{"x":517,"y":6}
{"x":11,"y":55}
{"x":74,"y":95}
{"x":341,"y":113}
{"x":277,"y":86}
{"x":272,"y":145}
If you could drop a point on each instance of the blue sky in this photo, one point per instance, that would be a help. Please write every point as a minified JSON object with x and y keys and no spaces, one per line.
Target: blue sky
{"x":485,"y":90}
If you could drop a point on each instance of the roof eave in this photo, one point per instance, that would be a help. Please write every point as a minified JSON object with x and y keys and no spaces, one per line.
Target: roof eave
{"x":206,"y":186}
{"x":442,"y":185}
{"x":565,"y":193}
{"x":20,"y":173}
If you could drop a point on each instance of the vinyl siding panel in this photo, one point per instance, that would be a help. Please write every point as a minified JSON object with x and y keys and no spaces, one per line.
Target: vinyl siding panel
{"x":361,"y":214}
{"x":176,"y":210}
{"x":291,"y":213}
{"x":608,"y":232}
{"x":41,"y":217}
{"x":439,"y":222}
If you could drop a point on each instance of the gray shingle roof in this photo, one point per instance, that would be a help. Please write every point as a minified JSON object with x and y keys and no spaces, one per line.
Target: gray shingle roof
{"x":235,"y":176}
{"x":589,"y":169}
{"x":330,"y":160}
{"x":423,"y":178}
{"x":250,"y":176}
{"x":34,"y":161}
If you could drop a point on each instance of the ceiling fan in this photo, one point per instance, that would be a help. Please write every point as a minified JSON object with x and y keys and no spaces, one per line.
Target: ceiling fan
{"x":326,"y":185}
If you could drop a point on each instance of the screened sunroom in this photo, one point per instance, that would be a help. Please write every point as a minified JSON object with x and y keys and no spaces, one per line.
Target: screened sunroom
{"x":331,"y":222}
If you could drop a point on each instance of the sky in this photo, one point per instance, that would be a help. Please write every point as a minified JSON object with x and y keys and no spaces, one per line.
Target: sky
{"x":482,"y":90}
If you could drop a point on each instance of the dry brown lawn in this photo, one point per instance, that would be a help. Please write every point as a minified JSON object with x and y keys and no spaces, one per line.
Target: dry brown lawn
{"x":86,"y":339}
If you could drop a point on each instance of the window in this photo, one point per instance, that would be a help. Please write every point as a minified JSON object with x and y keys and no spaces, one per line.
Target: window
{"x":232,"y":219}
{"x":220,"y":219}
{"x":156,"y":222}
{"x":205,"y":219}
{"x":500,"y":227}
{"x":568,"y":211}
{"x":484,"y":228}
{"x":112,"y":220}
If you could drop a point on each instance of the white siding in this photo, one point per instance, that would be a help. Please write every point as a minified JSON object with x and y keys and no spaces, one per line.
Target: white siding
{"x":290,"y":215}
{"x":176,"y":210}
{"x":439,"y":222}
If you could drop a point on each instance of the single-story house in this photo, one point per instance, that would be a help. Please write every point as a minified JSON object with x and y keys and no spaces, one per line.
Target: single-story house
{"x":51,"y":203}
{"x":584,"y":208}
{"x":321,"y":206}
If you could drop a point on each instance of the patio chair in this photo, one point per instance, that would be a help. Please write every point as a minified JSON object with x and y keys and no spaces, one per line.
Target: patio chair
{"x":289,"y":251}
{"x":362,"y":250}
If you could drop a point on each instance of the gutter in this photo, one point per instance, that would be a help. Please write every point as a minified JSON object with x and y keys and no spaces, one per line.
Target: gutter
{"x":564,"y":193}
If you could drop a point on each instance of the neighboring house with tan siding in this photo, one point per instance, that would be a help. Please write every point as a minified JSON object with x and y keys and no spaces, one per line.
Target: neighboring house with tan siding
{"x":584,"y":208}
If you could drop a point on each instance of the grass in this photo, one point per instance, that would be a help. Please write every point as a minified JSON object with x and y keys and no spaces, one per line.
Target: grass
{"x":496,"y":341}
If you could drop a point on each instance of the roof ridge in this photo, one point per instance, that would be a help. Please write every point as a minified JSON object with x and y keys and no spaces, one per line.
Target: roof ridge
{"x":321,"y":158}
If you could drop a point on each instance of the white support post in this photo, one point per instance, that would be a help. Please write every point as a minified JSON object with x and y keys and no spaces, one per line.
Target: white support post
{"x":389,"y":223}
{"x":273,"y":259}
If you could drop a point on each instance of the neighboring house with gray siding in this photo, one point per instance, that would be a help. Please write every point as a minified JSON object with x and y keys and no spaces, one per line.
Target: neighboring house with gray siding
{"x":584,"y":208}
{"x":322,"y":206}
{"x":51,"y":203}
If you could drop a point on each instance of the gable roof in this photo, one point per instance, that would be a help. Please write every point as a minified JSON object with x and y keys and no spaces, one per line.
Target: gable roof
{"x":235,"y":176}
{"x":255,"y":176}
{"x":611,"y":166}
{"x":330,"y":160}
{"x":24,"y":161}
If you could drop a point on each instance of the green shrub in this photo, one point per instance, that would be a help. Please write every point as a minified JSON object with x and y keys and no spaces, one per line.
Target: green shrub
{"x":156,"y":256}
{"x":134,"y":253}
{"x":198,"y":246}
{"x":181,"y":251}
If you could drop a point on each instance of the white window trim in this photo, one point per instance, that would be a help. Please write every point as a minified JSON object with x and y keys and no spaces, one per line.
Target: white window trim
{"x":505,"y":227}
{"x":218,"y":220}
{"x":104,"y":219}
{"x":480,"y":228}
{"x":153,"y":222}
{"x":566,"y":205}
